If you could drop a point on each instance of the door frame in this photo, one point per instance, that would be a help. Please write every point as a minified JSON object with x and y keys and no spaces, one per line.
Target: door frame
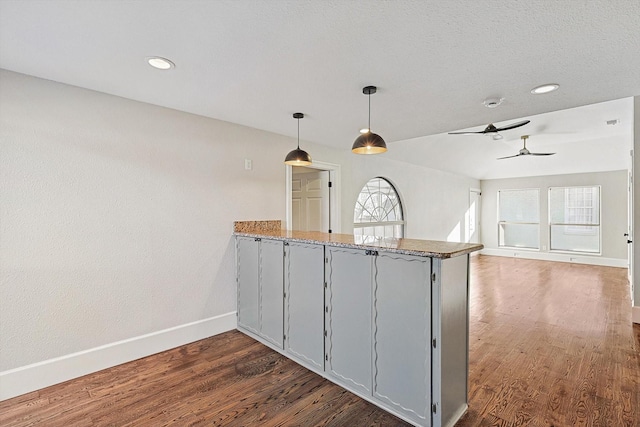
{"x":478,"y":216}
{"x":334,"y":194}
{"x":630,"y":237}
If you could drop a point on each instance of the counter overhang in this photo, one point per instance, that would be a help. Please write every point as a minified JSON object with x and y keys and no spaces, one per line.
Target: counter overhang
{"x":424,"y":248}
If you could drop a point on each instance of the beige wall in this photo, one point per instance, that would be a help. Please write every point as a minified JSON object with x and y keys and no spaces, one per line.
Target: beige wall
{"x":434,"y":202}
{"x":116,"y":216}
{"x":614,"y":195}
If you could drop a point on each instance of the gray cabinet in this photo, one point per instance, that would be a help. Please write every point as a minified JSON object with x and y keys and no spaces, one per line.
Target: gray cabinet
{"x":378,"y":328}
{"x":304,"y":304}
{"x":248,"y":288}
{"x":271,"y":306}
{"x":390,"y":327}
{"x":260,"y":278}
{"x":348,"y":317}
{"x":402,"y":334}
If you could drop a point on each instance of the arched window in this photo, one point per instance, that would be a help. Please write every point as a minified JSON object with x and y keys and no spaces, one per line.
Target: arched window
{"x":378,"y":212}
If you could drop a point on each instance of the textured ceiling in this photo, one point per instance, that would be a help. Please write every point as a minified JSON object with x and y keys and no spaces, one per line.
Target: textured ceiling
{"x":580,"y":137}
{"x":256,"y":62}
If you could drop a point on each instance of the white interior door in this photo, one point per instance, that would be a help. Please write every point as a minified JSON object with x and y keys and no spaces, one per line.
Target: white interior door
{"x":310,"y":200}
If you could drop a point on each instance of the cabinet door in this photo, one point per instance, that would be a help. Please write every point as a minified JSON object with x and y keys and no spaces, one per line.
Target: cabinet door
{"x":402,"y":334}
{"x":348,"y":317}
{"x":248,"y":288}
{"x":271,"y":281}
{"x":304,"y":304}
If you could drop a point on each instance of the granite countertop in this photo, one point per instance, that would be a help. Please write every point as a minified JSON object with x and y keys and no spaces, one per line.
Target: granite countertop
{"x":425,"y":248}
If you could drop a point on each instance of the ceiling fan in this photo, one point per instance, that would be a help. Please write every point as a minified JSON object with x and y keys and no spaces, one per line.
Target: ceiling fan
{"x":525,"y":152}
{"x":492,"y":129}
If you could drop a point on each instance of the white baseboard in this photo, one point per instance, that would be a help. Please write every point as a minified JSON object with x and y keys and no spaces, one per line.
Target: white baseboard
{"x":25,"y":379}
{"x":558,"y":257}
{"x":635,"y":314}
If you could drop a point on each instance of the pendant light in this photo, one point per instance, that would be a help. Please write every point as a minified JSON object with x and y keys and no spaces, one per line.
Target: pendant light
{"x":298,"y":157}
{"x":369,"y":142}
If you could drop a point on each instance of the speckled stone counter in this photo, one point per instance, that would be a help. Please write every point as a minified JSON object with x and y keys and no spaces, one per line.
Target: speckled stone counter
{"x":257,"y":226}
{"x":426,"y":248}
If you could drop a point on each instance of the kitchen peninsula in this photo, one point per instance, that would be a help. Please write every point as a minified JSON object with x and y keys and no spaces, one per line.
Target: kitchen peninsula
{"x":386,"y":319}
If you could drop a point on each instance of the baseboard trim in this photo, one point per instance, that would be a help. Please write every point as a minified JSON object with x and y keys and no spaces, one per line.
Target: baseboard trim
{"x":25,"y":379}
{"x":550,"y":256}
{"x":635,"y":314}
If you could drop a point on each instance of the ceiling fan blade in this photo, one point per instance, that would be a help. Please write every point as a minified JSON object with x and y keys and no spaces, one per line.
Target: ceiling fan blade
{"x":508,"y":157}
{"x":523,"y":150}
{"x":491,"y":129}
{"x":513,"y":125}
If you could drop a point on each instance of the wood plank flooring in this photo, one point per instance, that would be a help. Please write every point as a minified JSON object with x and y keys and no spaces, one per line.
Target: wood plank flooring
{"x":551,"y":344}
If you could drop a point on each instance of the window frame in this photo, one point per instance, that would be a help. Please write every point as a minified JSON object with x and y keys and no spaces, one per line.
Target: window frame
{"x":500,"y":222}
{"x":360,"y":225}
{"x":567,"y":227}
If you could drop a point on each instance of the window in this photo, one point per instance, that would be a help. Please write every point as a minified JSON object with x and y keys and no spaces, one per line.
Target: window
{"x":378,"y":212}
{"x":574,"y":219}
{"x":519,"y":218}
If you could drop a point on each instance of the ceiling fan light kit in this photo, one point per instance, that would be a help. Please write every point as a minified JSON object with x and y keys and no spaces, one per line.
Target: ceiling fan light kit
{"x":298,"y":157}
{"x":369,"y":142}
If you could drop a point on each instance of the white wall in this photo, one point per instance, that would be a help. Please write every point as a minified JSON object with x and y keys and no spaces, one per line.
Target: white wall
{"x":116,"y":216}
{"x":614,"y":195}
{"x":435,"y":202}
{"x":116,"y":220}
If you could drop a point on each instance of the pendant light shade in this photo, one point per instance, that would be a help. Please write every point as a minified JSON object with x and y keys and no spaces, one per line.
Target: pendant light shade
{"x":369,"y":142}
{"x":298,"y":157}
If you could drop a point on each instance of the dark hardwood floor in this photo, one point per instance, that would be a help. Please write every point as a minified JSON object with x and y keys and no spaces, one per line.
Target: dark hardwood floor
{"x":551,"y":345}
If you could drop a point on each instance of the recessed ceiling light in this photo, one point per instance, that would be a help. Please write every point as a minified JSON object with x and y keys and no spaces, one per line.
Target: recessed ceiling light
{"x":550,"y":87}
{"x":160,"y":63}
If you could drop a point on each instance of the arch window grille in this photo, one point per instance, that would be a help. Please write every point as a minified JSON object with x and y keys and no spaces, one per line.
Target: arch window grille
{"x":378,"y":212}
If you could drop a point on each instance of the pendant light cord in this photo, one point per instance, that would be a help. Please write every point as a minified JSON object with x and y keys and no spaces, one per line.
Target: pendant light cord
{"x":369,"y":95}
{"x":298,"y":134}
